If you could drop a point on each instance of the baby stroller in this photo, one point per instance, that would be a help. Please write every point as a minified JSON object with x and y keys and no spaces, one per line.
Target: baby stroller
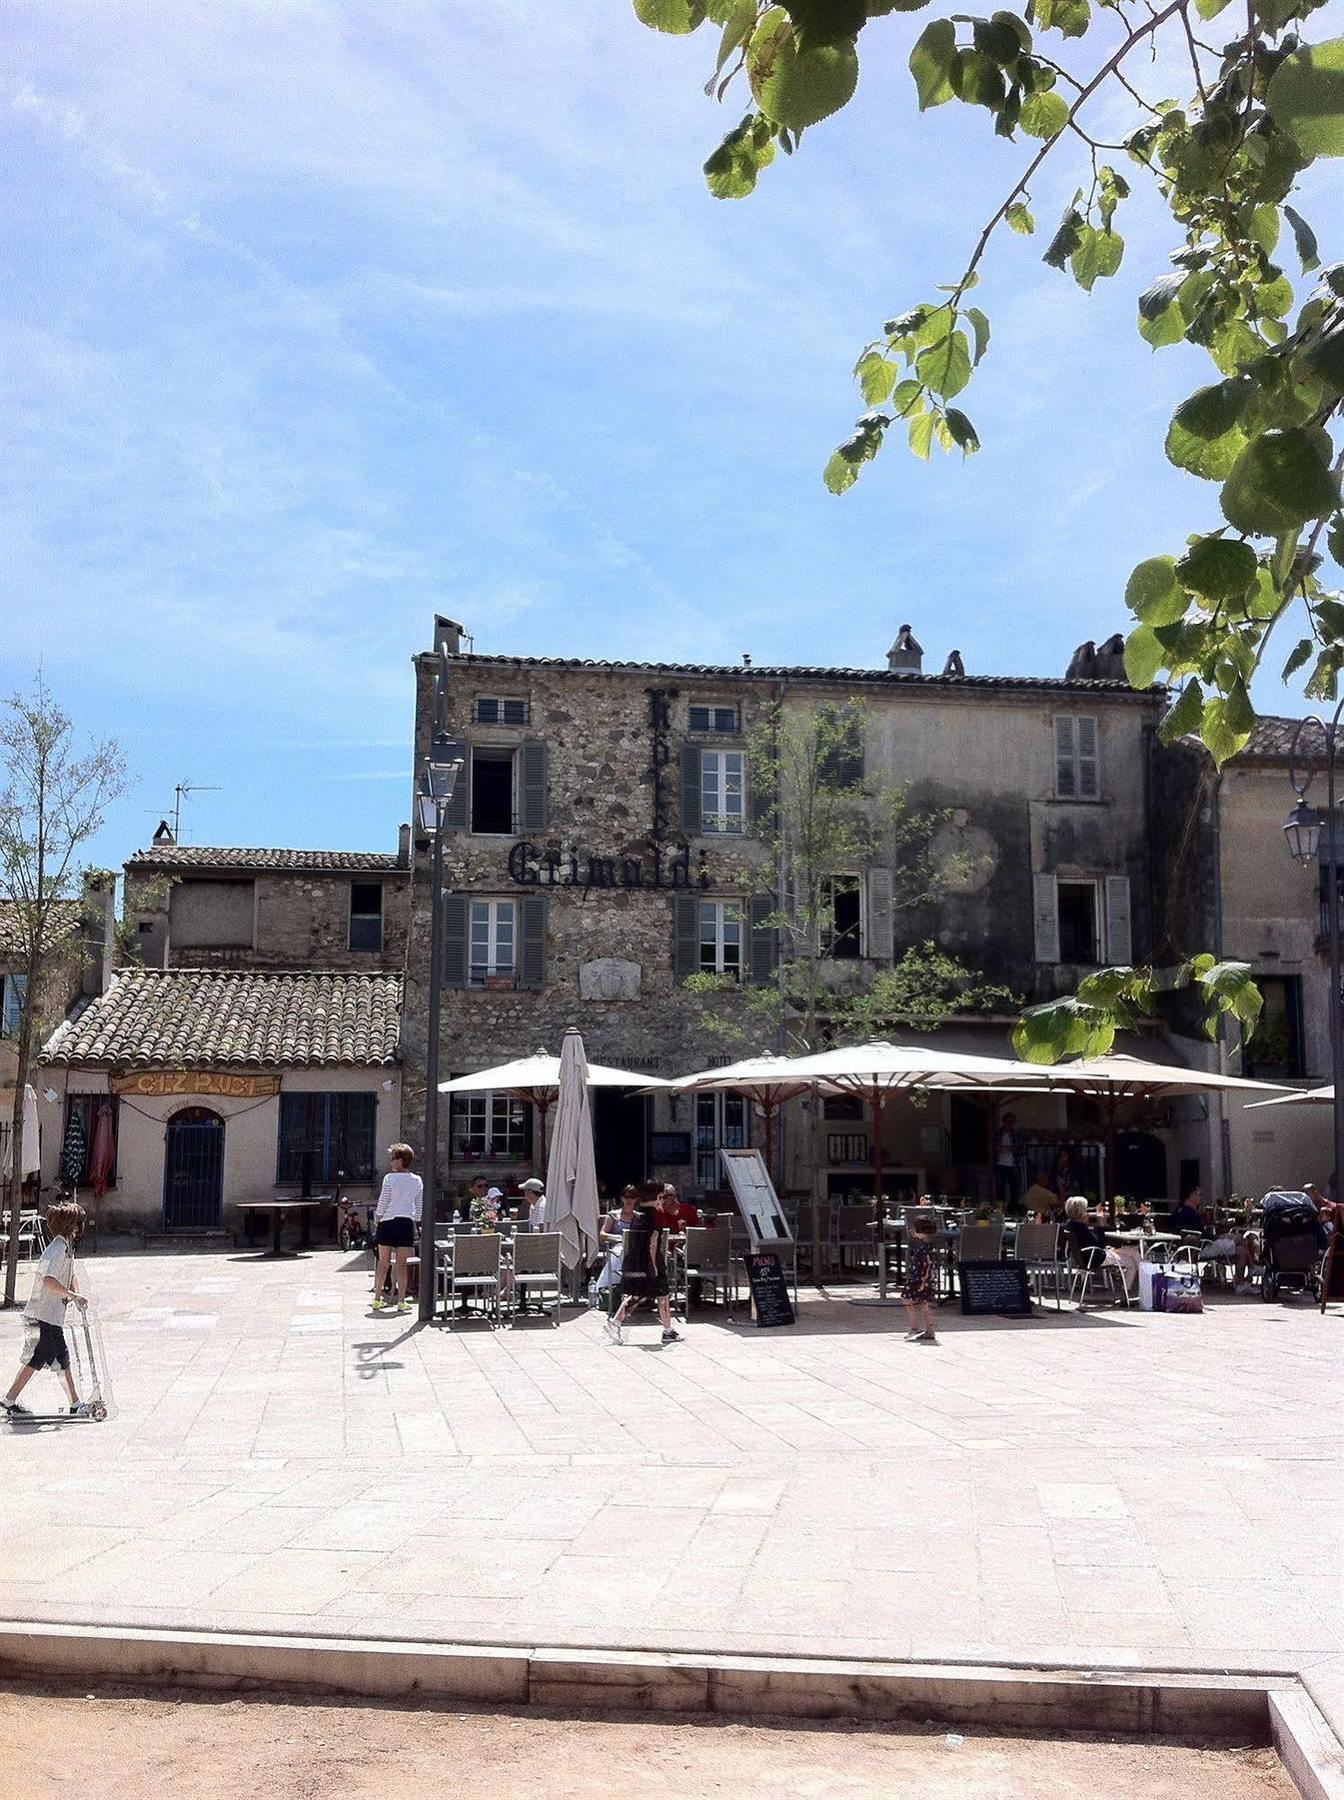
{"x":1292,"y":1246}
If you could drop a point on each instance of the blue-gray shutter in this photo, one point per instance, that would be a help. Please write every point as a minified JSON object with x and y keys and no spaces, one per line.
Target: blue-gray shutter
{"x":457,"y":813}
{"x":764,"y":938}
{"x":532,"y":937}
{"x":690,"y":790}
{"x":842,"y":764}
{"x":532,"y":787}
{"x":454,"y":940}
{"x":685,"y":936}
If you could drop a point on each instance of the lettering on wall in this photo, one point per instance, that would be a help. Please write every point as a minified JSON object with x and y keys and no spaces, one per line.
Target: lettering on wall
{"x":532,"y":866}
{"x":163,"y":1084}
{"x":660,"y":756}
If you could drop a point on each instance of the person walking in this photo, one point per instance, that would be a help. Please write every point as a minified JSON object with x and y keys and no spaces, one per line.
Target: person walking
{"x":395,"y":1220}
{"x":917,"y":1291}
{"x":644,"y":1267}
{"x":44,"y":1345}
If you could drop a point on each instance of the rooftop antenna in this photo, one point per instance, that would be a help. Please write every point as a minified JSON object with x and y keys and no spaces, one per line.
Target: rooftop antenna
{"x":181,"y":792}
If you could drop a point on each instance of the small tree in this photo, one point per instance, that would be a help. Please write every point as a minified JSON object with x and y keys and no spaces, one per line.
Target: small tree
{"x":51,"y":803}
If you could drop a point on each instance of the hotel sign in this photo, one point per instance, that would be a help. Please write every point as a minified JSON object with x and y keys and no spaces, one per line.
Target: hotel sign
{"x":165,"y":1084}
{"x":532,"y":866}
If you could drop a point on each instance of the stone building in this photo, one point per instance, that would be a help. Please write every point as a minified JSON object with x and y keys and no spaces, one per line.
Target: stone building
{"x":600,"y":840}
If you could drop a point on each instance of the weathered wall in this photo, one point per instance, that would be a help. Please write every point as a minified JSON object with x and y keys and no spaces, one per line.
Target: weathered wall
{"x":299,"y":920}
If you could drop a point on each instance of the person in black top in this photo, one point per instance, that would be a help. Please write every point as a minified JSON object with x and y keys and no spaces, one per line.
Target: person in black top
{"x":644,"y":1267}
{"x":1088,"y":1246}
{"x":1188,"y":1216}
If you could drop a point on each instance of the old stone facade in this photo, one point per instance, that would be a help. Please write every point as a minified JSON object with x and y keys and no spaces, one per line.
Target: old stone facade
{"x":587,"y":854}
{"x":193,"y":906}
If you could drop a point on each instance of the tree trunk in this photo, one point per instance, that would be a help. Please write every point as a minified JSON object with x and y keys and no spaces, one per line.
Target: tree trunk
{"x":16,"y":1152}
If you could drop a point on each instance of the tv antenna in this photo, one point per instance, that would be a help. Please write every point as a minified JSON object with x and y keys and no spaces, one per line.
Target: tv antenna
{"x":183,"y":791}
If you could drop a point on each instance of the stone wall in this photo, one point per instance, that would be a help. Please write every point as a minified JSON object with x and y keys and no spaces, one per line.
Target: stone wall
{"x":300,"y":920}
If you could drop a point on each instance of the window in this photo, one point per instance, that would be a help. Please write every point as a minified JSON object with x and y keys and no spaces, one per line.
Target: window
{"x":492,"y":805}
{"x":366,"y":915}
{"x":1275,"y":1051}
{"x":1078,"y":927}
{"x":212,"y":915}
{"x":726,"y":720}
{"x":489,"y":1125}
{"x":840,"y":731}
{"x":842,"y":926}
{"x":1077,"y":765}
{"x":87,"y":1108}
{"x":722,"y":792}
{"x":13,"y":989}
{"x":492,"y":941}
{"x":721,"y":938}
{"x":720,"y":1124}
{"x":491,"y":710}
{"x":330,"y":1137}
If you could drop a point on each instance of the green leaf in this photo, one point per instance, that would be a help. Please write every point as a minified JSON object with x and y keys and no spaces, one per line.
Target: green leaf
{"x":1063,"y":243}
{"x":962,"y":431}
{"x":1334,"y":541}
{"x":1154,"y":595}
{"x":1233,"y":346}
{"x":1144,"y":656}
{"x":1306,"y":98}
{"x":1305,"y":239}
{"x":677,"y":16}
{"x":1210,"y":9}
{"x":1020,"y":220}
{"x":1165,"y":327}
{"x":876,"y":376}
{"x":1230,"y":987}
{"x":1265,"y":228}
{"x":801,"y":84}
{"x":827,"y":21}
{"x":1184,"y":716}
{"x":1069,"y":1027}
{"x":1273,"y":298}
{"x":840,"y":473}
{"x":921,"y":435}
{"x":1209,"y":458}
{"x":931,"y":63}
{"x":1278,"y":482}
{"x":1070,"y":17}
{"x":1301,"y":653}
{"x":731,"y":170}
{"x":1097,"y":253}
{"x":980,"y":326}
{"x":1044,"y":114}
{"x":977,"y":80}
{"x":998,"y":38}
{"x":1218,"y":568}
{"x":946,"y":368}
{"x":1325,"y":359}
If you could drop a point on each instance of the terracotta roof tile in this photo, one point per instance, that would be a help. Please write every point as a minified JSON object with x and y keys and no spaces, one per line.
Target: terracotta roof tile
{"x":64,"y":916}
{"x":205,"y":856}
{"x":207,"y":1018}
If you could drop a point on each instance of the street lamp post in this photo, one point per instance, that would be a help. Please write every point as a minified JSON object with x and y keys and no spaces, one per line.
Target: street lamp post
{"x":442,"y":768}
{"x":1303,"y":833}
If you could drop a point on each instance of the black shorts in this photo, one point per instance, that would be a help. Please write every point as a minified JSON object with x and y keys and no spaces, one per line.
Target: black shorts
{"x":46,"y":1346}
{"x":397,"y":1234}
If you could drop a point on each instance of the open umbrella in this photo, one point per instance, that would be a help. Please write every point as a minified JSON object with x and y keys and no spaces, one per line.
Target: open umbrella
{"x":767,"y":1081}
{"x":1321,"y":1096}
{"x":536,"y":1079}
{"x":571,"y":1190}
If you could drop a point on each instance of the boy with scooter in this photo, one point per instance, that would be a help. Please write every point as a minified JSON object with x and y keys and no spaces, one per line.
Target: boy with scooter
{"x":44,"y":1316}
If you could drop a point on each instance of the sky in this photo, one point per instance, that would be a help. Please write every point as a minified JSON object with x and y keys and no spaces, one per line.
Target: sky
{"x":319,"y":319}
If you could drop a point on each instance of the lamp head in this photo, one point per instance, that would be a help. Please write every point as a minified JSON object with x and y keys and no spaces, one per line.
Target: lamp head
{"x":1302,"y":829}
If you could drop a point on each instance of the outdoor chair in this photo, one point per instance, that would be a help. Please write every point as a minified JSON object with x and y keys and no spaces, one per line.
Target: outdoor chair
{"x":980,"y":1243}
{"x":803,"y":1231}
{"x":852,"y":1230}
{"x":708,"y":1258}
{"x":536,"y":1272}
{"x":1084,"y":1275}
{"x":1037,"y":1248}
{"x":471,"y":1272}
{"x":32,"y":1238}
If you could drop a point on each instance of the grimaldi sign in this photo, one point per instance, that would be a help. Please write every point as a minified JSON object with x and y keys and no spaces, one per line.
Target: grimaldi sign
{"x":661,"y":866}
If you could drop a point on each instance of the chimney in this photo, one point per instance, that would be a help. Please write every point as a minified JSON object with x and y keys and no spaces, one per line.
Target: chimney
{"x":98,"y":919}
{"x":403,"y":846}
{"x":954,"y":667}
{"x":163,"y":837}
{"x":905,"y":656}
{"x":447,"y":635}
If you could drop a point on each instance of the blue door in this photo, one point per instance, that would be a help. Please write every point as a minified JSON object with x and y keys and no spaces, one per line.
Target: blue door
{"x":193,"y":1171}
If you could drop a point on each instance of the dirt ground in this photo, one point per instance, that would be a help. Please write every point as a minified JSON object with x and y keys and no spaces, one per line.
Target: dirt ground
{"x":112,"y":1745}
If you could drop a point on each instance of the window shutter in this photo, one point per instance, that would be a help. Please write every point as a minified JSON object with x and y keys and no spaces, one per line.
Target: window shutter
{"x":690,"y":790}
{"x":764,"y":938}
{"x":1045,"y":899}
{"x":457,"y":813}
{"x":532,"y":920}
{"x":1089,"y":783}
{"x":454,"y":940}
{"x":1064,"y":775}
{"x":1119,"y":935}
{"x":880,"y":923}
{"x":685,"y":937}
{"x":532,"y":787}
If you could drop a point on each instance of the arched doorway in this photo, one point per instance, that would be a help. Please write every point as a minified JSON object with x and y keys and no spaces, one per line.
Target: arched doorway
{"x":193,"y":1170}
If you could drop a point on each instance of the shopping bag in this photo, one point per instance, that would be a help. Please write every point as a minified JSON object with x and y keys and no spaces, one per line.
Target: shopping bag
{"x":1180,"y":1293}
{"x":1152,"y":1279}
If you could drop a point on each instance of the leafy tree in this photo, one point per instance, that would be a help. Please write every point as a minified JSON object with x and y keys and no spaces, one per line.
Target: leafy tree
{"x":52,"y":802}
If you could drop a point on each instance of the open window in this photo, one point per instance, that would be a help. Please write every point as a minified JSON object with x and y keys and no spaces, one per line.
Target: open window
{"x":493,"y":808}
{"x":1079,"y":925}
{"x":842,"y":934}
{"x":366,"y":915}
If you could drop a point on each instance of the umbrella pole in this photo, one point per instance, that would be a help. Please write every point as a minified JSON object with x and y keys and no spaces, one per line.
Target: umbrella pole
{"x":875,"y":1101}
{"x":1108,"y":1173}
{"x":768,"y":1118}
{"x":543,"y":1107}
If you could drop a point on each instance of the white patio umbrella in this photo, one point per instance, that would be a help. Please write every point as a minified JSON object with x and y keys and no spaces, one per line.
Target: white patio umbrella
{"x":767,"y":1081}
{"x":536,"y":1079}
{"x":571,"y":1189}
{"x":30,"y":1144}
{"x":1321,"y":1096}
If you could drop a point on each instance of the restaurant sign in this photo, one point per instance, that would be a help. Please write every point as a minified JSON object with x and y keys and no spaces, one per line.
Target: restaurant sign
{"x":532,"y":866}
{"x":164,"y":1084}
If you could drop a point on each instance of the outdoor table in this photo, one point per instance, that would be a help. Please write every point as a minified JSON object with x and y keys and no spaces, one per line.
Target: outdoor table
{"x":277,"y":1210}
{"x":1143,"y":1237}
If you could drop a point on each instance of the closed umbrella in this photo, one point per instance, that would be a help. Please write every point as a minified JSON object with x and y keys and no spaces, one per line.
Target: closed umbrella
{"x":102,"y":1155}
{"x":30,"y":1149}
{"x":571,"y":1187}
{"x":75,"y":1149}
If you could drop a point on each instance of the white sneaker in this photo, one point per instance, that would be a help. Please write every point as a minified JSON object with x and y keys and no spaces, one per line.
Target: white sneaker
{"x":613,"y":1331}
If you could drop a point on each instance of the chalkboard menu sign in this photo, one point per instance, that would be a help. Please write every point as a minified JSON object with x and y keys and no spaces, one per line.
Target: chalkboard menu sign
{"x":994,"y":1287}
{"x":769,"y":1290}
{"x":669,"y":1146}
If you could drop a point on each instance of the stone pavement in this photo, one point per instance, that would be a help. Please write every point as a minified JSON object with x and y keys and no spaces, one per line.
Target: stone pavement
{"x":1117,"y":1488}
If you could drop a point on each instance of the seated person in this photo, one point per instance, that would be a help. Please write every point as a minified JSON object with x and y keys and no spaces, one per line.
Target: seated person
{"x":1088,"y":1246}
{"x":1189,"y":1215}
{"x":678,"y":1214}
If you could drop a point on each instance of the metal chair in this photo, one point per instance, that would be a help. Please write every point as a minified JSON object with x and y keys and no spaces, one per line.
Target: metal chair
{"x":536,"y":1271}
{"x":980,"y":1243}
{"x":708,"y":1257}
{"x":852,"y":1229}
{"x":1037,"y":1247}
{"x":471,"y":1271}
{"x":31,"y":1233}
{"x":1083,"y":1274}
